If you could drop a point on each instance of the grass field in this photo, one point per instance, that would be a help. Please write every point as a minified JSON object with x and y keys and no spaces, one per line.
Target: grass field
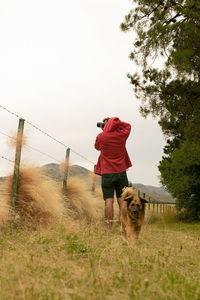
{"x":84,"y":261}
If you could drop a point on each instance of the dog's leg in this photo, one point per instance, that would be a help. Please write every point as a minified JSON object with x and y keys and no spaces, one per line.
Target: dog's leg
{"x":123,"y":228}
{"x":123,"y":218}
{"x":131,"y":235}
{"x":137,"y":232}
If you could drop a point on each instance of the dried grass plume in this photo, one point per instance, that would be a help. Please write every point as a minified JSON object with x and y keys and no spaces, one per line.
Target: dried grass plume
{"x":38,"y":199}
{"x":80,"y":200}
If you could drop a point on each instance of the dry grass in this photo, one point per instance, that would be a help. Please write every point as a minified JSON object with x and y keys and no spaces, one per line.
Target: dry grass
{"x":40,"y":201}
{"x":81,"y":202}
{"x":76,"y":258}
{"x":91,"y":263}
{"x":16,"y":140}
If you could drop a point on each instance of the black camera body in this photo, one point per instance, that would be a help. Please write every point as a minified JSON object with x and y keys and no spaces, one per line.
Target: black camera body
{"x":102,"y":124}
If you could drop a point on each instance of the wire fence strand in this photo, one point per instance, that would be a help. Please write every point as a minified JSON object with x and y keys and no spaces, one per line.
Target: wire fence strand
{"x":48,"y":135}
{"x":5,"y":158}
{"x":47,"y":155}
{"x":61,"y":143}
{"x":32,"y":148}
{"x":2,"y":133}
{"x":82,"y":156}
{"x":9,"y":111}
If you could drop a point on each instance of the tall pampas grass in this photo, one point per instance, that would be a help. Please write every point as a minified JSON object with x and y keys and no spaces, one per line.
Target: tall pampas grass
{"x":38,"y":199}
{"x":4,"y":206}
{"x":81,"y":203}
{"x":17,"y":139}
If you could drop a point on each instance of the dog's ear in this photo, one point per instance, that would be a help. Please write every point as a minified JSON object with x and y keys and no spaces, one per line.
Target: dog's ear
{"x":143,"y":201}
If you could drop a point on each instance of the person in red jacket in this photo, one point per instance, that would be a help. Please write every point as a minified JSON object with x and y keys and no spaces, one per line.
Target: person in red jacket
{"x":112,"y":162}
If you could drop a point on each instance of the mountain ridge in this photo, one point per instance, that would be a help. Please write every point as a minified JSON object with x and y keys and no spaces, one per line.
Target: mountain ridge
{"x":54,"y":171}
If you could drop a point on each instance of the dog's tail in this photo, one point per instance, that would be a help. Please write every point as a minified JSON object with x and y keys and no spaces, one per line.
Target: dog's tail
{"x":128,"y":192}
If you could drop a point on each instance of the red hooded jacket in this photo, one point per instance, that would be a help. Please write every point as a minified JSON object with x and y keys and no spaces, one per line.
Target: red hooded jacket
{"x":112,"y":144}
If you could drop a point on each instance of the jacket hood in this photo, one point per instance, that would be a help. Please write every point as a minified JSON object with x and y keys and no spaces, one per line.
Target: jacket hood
{"x":112,"y":124}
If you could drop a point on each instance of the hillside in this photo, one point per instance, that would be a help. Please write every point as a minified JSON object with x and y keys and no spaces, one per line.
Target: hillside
{"x":157,"y":193}
{"x":54,"y":171}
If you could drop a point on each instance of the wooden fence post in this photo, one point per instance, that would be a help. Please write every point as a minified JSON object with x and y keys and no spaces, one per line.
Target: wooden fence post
{"x":153,"y":205}
{"x":93,"y":181}
{"x":157,"y":206}
{"x":160,"y":208}
{"x":17,"y":163}
{"x":149,"y":205}
{"x":66,"y":170}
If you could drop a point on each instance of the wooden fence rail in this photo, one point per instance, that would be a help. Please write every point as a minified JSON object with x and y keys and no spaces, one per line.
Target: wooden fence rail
{"x":158,"y":207}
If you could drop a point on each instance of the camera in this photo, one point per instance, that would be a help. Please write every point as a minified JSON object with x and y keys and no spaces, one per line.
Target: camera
{"x":102,"y":124}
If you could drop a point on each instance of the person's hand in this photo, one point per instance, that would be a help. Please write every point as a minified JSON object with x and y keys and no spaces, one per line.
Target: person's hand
{"x":101,"y":126}
{"x":106,"y":119}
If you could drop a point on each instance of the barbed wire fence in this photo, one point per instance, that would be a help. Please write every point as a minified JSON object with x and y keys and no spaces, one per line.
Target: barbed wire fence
{"x":18,"y":141}
{"x":156,"y":205}
{"x":9,"y":160}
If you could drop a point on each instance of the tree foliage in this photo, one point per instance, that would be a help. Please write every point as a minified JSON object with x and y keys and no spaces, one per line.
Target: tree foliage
{"x":167,"y":34}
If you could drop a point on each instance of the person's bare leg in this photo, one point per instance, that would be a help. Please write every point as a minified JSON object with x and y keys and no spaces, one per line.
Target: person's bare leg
{"x":120,"y":203}
{"x":109,"y":212}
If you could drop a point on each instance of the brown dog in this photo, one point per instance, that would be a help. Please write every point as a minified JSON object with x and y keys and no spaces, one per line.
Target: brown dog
{"x":132,"y":214}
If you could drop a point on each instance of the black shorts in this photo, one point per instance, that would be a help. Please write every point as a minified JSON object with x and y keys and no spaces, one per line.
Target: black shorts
{"x":111,"y":183}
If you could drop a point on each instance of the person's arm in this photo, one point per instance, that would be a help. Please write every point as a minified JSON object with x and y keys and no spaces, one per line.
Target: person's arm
{"x":125,"y":129}
{"x":97,"y":144}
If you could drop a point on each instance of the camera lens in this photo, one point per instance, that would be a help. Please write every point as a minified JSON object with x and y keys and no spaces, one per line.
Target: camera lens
{"x":100,"y":124}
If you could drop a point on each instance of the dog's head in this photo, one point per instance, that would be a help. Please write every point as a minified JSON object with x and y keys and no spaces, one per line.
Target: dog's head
{"x":135,"y":204}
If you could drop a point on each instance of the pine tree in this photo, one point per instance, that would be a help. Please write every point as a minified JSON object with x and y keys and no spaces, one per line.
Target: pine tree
{"x":167,"y":32}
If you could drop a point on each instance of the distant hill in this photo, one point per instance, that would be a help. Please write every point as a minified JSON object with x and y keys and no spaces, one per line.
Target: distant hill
{"x":156,"y":193}
{"x":159,"y":190}
{"x":53,"y":170}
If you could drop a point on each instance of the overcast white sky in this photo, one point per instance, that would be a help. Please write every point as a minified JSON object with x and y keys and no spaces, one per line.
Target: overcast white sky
{"x":63,"y":67}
